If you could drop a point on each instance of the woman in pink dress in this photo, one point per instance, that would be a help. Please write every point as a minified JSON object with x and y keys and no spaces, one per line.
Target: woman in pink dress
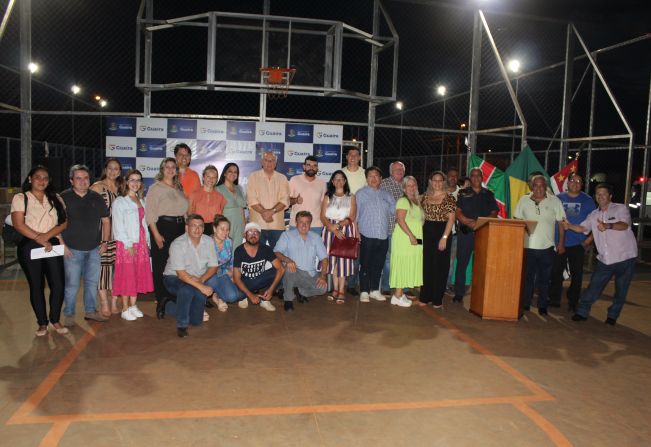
{"x":132,"y":268}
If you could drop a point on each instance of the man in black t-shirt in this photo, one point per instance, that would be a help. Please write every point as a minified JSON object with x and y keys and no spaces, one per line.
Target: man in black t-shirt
{"x":472,"y":203}
{"x":256,"y":270}
{"x":85,"y":239}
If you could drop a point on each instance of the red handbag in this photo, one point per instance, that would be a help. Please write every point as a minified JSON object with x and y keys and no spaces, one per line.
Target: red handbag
{"x":348,"y":247}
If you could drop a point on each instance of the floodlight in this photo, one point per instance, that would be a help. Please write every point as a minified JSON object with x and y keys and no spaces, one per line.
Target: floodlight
{"x":463,"y":125}
{"x":98,"y":98}
{"x":32,"y":67}
{"x":399,"y":105}
{"x":513,"y":65}
{"x":102,"y":103}
{"x":75,"y":89}
{"x":441,"y":90}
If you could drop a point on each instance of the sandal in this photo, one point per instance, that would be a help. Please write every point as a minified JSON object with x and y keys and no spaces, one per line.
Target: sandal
{"x":41,"y":331}
{"x":60,"y":329}
{"x":341,"y":298}
{"x":332,"y":295}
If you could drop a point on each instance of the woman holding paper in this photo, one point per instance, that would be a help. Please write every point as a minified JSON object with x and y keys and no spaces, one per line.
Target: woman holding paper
{"x":39,"y":215}
{"x":132,"y":267}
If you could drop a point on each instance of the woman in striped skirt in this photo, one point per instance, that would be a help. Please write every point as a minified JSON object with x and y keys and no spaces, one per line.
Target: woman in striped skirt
{"x":108,"y":186}
{"x":338,"y":210}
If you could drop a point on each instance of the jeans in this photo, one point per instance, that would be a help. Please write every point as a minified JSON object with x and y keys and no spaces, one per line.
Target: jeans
{"x":189,"y":305}
{"x":86,"y":264}
{"x":574,"y":255}
{"x":353,"y":280}
{"x":36,"y":271}
{"x":623,"y":272}
{"x":305,"y":282}
{"x":271,"y":237}
{"x":225,"y":288}
{"x":465,"y":247}
{"x":538,"y":269}
{"x":372,"y":255}
{"x":261,"y":282}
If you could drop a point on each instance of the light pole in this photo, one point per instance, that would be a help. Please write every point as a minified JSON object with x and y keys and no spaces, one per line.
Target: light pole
{"x":441,"y":90}
{"x":75,"y":89}
{"x":514,"y":66}
{"x":400,"y":105}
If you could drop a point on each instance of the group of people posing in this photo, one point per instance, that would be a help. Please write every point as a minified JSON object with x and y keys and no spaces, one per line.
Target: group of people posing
{"x":205,"y":252}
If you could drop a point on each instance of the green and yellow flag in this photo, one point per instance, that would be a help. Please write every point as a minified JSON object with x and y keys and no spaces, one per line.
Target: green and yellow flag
{"x":518,"y":175}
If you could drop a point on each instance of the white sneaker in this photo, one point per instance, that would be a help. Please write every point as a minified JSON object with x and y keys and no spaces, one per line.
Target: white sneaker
{"x":221,"y":305}
{"x":403,"y":301}
{"x":128,"y":315}
{"x":266,"y":305}
{"x":135,"y":311}
{"x":363,"y":297}
{"x":243,"y":304}
{"x":376,"y":295}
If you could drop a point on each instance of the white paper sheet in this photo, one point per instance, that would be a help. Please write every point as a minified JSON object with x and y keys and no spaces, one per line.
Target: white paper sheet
{"x":38,"y":253}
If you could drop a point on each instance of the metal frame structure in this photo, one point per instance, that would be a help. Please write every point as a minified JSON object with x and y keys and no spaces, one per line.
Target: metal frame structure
{"x":333,"y":32}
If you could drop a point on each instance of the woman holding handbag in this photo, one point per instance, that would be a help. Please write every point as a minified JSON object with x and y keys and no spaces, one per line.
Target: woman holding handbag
{"x":338,"y":210}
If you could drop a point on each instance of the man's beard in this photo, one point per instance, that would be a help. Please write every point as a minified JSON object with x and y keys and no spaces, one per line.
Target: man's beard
{"x":310,"y":173}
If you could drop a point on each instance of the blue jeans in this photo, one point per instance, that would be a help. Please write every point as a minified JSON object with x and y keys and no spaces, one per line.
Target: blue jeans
{"x":372,"y":255}
{"x":271,"y":237}
{"x":623,"y":272}
{"x":189,"y":305}
{"x":225,"y":288}
{"x":538,"y":270}
{"x":86,"y":264}
{"x":261,"y":282}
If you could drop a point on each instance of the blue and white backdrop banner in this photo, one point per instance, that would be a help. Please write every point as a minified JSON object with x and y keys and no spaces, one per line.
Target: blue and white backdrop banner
{"x":142,"y":143}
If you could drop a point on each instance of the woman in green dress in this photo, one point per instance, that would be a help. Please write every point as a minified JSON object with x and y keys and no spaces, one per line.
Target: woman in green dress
{"x":235,"y":201}
{"x":407,"y":244}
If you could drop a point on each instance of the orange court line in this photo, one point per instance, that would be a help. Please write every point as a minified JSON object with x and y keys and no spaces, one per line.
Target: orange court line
{"x":53,"y":377}
{"x":517,"y":375}
{"x":550,"y":429}
{"x":274,"y":411}
{"x":54,"y":435}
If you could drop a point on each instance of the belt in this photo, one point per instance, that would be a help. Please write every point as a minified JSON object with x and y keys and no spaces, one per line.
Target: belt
{"x":174,"y":219}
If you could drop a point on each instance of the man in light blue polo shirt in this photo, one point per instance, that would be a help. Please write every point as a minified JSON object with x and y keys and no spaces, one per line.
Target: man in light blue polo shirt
{"x":299,"y":250}
{"x":192,"y":263}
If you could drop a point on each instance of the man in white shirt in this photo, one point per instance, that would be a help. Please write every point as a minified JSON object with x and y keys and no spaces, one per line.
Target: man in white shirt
{"x":353,"y":170}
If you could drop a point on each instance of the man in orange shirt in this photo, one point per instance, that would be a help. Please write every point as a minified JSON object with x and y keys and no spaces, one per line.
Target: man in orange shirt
{"x":189,"y":178}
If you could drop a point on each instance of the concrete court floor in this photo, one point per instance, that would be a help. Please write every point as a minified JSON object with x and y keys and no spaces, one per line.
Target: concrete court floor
{"x":328,"y":375}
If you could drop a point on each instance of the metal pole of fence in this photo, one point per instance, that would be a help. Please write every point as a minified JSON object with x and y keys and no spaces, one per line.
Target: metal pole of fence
{"x":475,"y":73}
{"x":149,"y":15}
{"x":586,"y":180}
{"x":567,"y":97}
{"x":25,"y":87}
{"x":264,"y":62}
{"x":645,"y":170}
{"x":515,"y":120}
{"x":375,"y":52}
{"x":442,"y":135}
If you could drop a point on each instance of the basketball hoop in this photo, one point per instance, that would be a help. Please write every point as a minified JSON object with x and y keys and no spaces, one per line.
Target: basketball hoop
{"x":277,"y":81}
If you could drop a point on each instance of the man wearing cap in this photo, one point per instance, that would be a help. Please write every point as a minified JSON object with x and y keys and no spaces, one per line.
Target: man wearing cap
{"x":299,"y":250}
{"x":267,"y":193}
{"x":192,"y":263}
{"x":256,"y":270}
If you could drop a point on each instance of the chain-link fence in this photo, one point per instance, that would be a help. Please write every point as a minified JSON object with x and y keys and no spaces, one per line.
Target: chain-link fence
{"x":94,"y":47}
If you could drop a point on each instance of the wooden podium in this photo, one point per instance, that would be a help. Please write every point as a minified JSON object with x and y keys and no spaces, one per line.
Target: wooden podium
{"x":498,"y":268}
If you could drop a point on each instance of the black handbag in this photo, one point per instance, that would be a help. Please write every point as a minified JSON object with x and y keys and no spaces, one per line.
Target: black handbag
{"x":9,"y":234}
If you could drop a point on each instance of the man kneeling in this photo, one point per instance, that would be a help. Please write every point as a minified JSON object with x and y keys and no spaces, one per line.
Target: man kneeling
{"x":299,"y":250}
{"x":256,"y":271}
{"x":192,"y":262}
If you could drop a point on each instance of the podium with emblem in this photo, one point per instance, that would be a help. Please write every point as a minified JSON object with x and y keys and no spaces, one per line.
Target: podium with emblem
{"x":498,"y":267}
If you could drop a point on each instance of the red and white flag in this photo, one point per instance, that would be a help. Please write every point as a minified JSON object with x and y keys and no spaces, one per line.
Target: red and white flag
{"x":559,"y":180}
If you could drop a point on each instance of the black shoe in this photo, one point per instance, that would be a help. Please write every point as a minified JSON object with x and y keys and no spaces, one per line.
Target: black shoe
{"x":209,"y":304}
{"x":352,"y":291}
{"x":457,"y":299}
{"x":542,"y":311}
{"x":526,"y":308}
{"x":610,"y":321}
{"x":280,"y":293}
{"x":160,"y":307}
{"x":182,"y":332}
{"x":288,"y":306}
{"x":577,"y":317}
{"x":302,"y":299}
